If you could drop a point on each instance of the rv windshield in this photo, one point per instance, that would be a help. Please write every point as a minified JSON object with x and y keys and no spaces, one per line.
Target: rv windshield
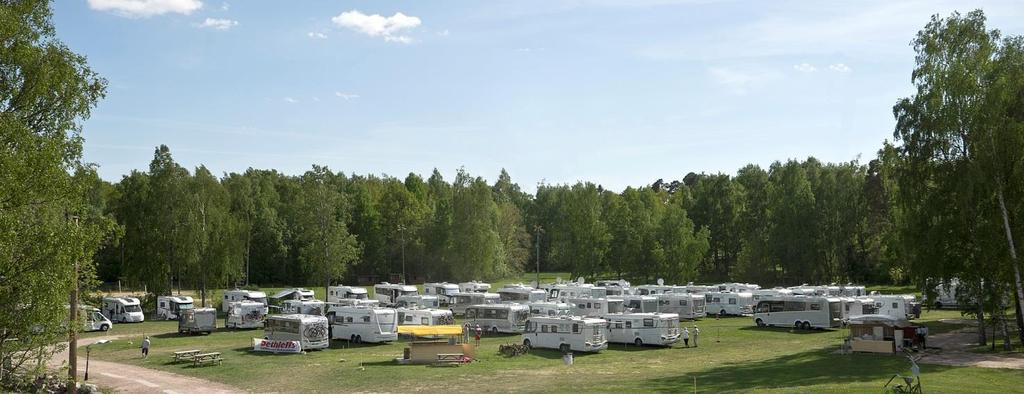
{"x":357,"y":296}
{"x":132,"y":308}
{"x":650,"y":306}
{"x":185,"y":306}
{"x":406,"y":292}
{"x":262,"y":300}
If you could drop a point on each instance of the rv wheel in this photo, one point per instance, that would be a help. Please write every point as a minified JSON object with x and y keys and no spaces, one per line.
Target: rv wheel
{"x":806,"y":325}
{"x":638,"y":342}
{"x":359,"y":339}
{"x":104,"y":327}
{"x":564,"y":348}
{"x":352,"y":338}
{"x":721,"y":312}
{"x":526,"y":342}
{"x":494,"y":330}
{"x":759,"y":322}
{"x":938,"y":305}
{"x":796,"y":325}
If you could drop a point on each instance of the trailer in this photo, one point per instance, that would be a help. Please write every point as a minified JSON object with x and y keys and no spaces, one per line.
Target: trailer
{"x":245,"y":314}
{"x":726,"y":303}
{"x":243,"y":295}
{"x":520,"y":293}
{"x":640,"y":304}
{"x":687,"y":306}
{"x":495,"y":318}
{"x":198,"y":320}
{"x":388,"y":293}
{"x":596,"y":307}
{"x":566,"y":333}
{"x":335,"y":293}
{"x":549,"y":308}
{"x":171,"y":307}
{"x":464,"y":300}
{"x":474,"y":287}
{"x":310,"y":331}
{"x":123,"y":309}
{"x":424,"y":317}
{"x":363,"y":324}
{"x":303,"y":307}
{"x":418,"y":301}
{"x":659,"y":329}
{"x":444,"y":291}
{"x":897,"y":306}
{"x":295,"y":293}
{"x":797,"y":311}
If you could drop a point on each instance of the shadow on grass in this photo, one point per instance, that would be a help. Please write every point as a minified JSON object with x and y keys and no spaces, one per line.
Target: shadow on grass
{"x":790,"y":330}
{"x":791,"y":371}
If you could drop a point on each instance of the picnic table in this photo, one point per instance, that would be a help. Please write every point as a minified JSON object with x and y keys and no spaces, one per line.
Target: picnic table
{"x":185,"y":354}
{"x":206,"y":358}
{"x":451,"y":359}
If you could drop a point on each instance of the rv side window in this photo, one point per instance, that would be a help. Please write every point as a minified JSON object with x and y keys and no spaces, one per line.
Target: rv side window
{"x":895,"y":305}
{"x":582,"y":306}
{"x":408,"y":318}
{"x":629,"y":324}
{"x":815,"y":307}
{"x":716,"y":299}
{"x":366,"y":319}
{"x":618,"y":324}
{"x":648,"y":322}
{"x":575,"y":328}
{"x":682,"y":302}
{"x":348,"y":319}
{"x":425,"y":321}
{"x":471,"y":313}
{"x":732,"y":301}
{"x":554,"y":328}
{"x":543,"y":328}
{"x":597,"y":305}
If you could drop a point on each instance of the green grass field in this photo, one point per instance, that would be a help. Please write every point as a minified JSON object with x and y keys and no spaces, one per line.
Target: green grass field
{"x":733,"y":356}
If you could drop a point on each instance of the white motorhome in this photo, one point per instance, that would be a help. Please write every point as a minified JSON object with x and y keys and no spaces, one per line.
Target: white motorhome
{"x":444,"y":291}
{"x":353,"y":302}
{"x":474,"y":287}
{"x":310,"y":331}
{"x":171,"y":307}
{"x":737,"y":287}
{"x":418,"y":301}
{"x":566,"y":333}
{"x":424,"y":317}
{"x":521,"y":293}
{"x":495,"y":318}
{"x":295,"y":293}
{"x":549,"y":308}
{"x":562,"y":292}
{"x":852,"y":290}
{"x":640,"y":303}
{"x":388,"y":293}
{"x":807,"y":290}
{"x":725,"y":303}
{"x":945,"y":295}
{"x":687,"y":306}
{"x":197,"y":320}
{"x":92,"y":319}
{"x":617,"y":287}
{"x":363,"y":324}
{"x":803,"y":312}
{"x":661,"y":329}
{"x":898,"y":306}
{"x":335,"y":293}
{"x":857,"y":306}
{"x":462,"y":301}
{"x":245,"y":314}
{"x":650,"y":290}
{"x":123,"y":309}
{"x":303,"y":307}
{"x":595,"y":307}
{"x":773,"y":292}
{"x":243,"y":295}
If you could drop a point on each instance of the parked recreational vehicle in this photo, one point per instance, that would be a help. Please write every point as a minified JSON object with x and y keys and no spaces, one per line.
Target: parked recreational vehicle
{"x":170,"y":308}
{"x":807,"y":290}
{"x":310,"y":331}
{"x":618,"y":287}
{"x":737,"y":287}
{"x":549,"y":308}
{"x":562,"y":292}
{"x":773,"y":292}
{"x":852,"y":291}
{"x":418,"y":301}
{"x":93,"y":320}
{"x":687,"y":306}
{"x":804,"y":312}
{"x":726,"y":303}
{"x":650,"y":290}
{"x":388,"y":293}
{"x":363,"y":324}
{"x":945,"y":296}
{"x":474,"y":287}
{"x":443,"y":290}
{"x":295,"y":293}
{"x":898,"y":306}
{"x":661,"y":329}
{"x":123,"y":309}
{"x":640,"y":304}
{"x":303,"y":307}
{"x":566,"y":333}
{"x":424,"y":317}
{"x":521,"y":293}
{"x":335,"y":293}
{"x":245,"y":314}
{"x":595,"y":307}
{"x":198,"y":320}
{"x":857,"y":306}
{"x":242,"y":295}
{"x":353,"y":302}
{"x":462,"y":301}
{"x":495,"y":318}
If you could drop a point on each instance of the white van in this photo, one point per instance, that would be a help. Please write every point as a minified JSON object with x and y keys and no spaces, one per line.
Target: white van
{"x":335,"y":293}
{"x":388,"y":293}
{"x":310,"y":331}
{"x":726,"y":303}
{"x":363,"y":324}
{"x":424,"y":317}
{"x":93,"y":320}
{"x":245,"y":314}
{"x":660,"y":329}
{"x":462,"y":301}
{"x":418,"y":301}
{"x":549,"y":308}
{"x":687,"y":306}
{"x":123,"y":309}
{"x":803,"y":312}
{"x":495,"y":318}
{"x":474,"y":287}
{"x":566,"y":333}
{"x":243,"y":295}
{"x":444,"y":291}
{"x":303,"y":307}
{"x":520,"y":293}
{"x":171,"y":307}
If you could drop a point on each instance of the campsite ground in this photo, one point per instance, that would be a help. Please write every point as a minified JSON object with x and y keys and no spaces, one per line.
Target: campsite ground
{"x":733,"y":356}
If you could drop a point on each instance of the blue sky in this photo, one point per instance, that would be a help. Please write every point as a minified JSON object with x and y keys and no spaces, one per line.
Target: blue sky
{"x":618,"y":93}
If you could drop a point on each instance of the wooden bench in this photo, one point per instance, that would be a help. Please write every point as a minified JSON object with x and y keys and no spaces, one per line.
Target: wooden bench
{"x":185,"y":355}
{"x":206,"y":358}
{"x":453,"y":359}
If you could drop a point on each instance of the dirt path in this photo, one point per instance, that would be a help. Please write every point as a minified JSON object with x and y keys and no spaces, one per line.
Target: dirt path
{"x":122,"y":378}
{"x":954,"y":348}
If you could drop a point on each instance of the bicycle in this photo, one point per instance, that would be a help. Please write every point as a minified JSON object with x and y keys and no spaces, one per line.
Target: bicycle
{"x":910,"y":384}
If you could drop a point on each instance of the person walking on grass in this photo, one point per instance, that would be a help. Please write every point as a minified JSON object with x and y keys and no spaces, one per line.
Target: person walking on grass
{"x":696,"y":333}
{"x":686,"y":337}
{"x":479,"y":331}
{"x":145,"y":347}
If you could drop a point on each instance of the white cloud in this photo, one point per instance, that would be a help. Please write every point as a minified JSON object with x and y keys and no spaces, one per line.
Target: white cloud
{"x":388,"y":27}
{"x":290,"y":100}
{"x":346,"y":96}
{"x":316,"y":35}
{"x":219,"y":24}
{"x":840,"y":67}
{"x":805,"y":68}
{"x":740,"y":82}
{"x":225,"y":6}
{"x":443,"y":33}
{"x":145,"y":8}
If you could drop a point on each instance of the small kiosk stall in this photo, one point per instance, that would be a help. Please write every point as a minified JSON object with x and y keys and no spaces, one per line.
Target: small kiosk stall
{"x":878,"y":333}
{"x":436,"y":345}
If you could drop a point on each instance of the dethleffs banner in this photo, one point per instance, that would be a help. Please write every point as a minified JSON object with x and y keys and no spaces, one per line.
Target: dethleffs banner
{"x":269,"y":345}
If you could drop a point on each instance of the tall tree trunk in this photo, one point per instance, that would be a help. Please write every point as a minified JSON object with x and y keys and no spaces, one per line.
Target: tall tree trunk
{"x":1003,"y":326}
{"x":982,"y":341}
{"x":1018,"y":284}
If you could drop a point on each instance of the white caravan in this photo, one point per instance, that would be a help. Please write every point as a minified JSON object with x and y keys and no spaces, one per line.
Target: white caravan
{"x":444,"y":291}
{"x":687,"y":306}
{"x":658,"y":289}
{"x":335,"y":293}
{"x":388,"y":293}
{"x":945,"y":296}
{"x":803,"y":312}
{"x":495,"y":318}
{"x":562,"y":292}
{"x":566,"y":333}
{"x":303,"y":307}
{"x":171,"y":307}
{"x":898,"y":306}
{"x":737,"y":287}
{"x":198,"y":320}
{"x":295,"y":293}
{"x":245,"y":314}
{"x":521,"y":293}
{"x":617,"y":287}
{"x":424,"y":317}
{"x":123,"y":309}
{"x":310,"y":331}
{"x":595,"y":307}
{"x":353,"y":302}
{"x":363,"y":324}
{"x":640,"y":304}
{"x":807,"y":290}
{"x":857,"y":306}
{"x":661,"y":329}
{"x":474,"y":287}
{"x":418,"y":301}
{"x":243,"y":295}
{"x":725,"y":303}
{"x":462,"y":301}
{"x":549,"y":308}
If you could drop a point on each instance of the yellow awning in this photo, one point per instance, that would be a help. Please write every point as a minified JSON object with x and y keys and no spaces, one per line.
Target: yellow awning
{"x":430,"y":330}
